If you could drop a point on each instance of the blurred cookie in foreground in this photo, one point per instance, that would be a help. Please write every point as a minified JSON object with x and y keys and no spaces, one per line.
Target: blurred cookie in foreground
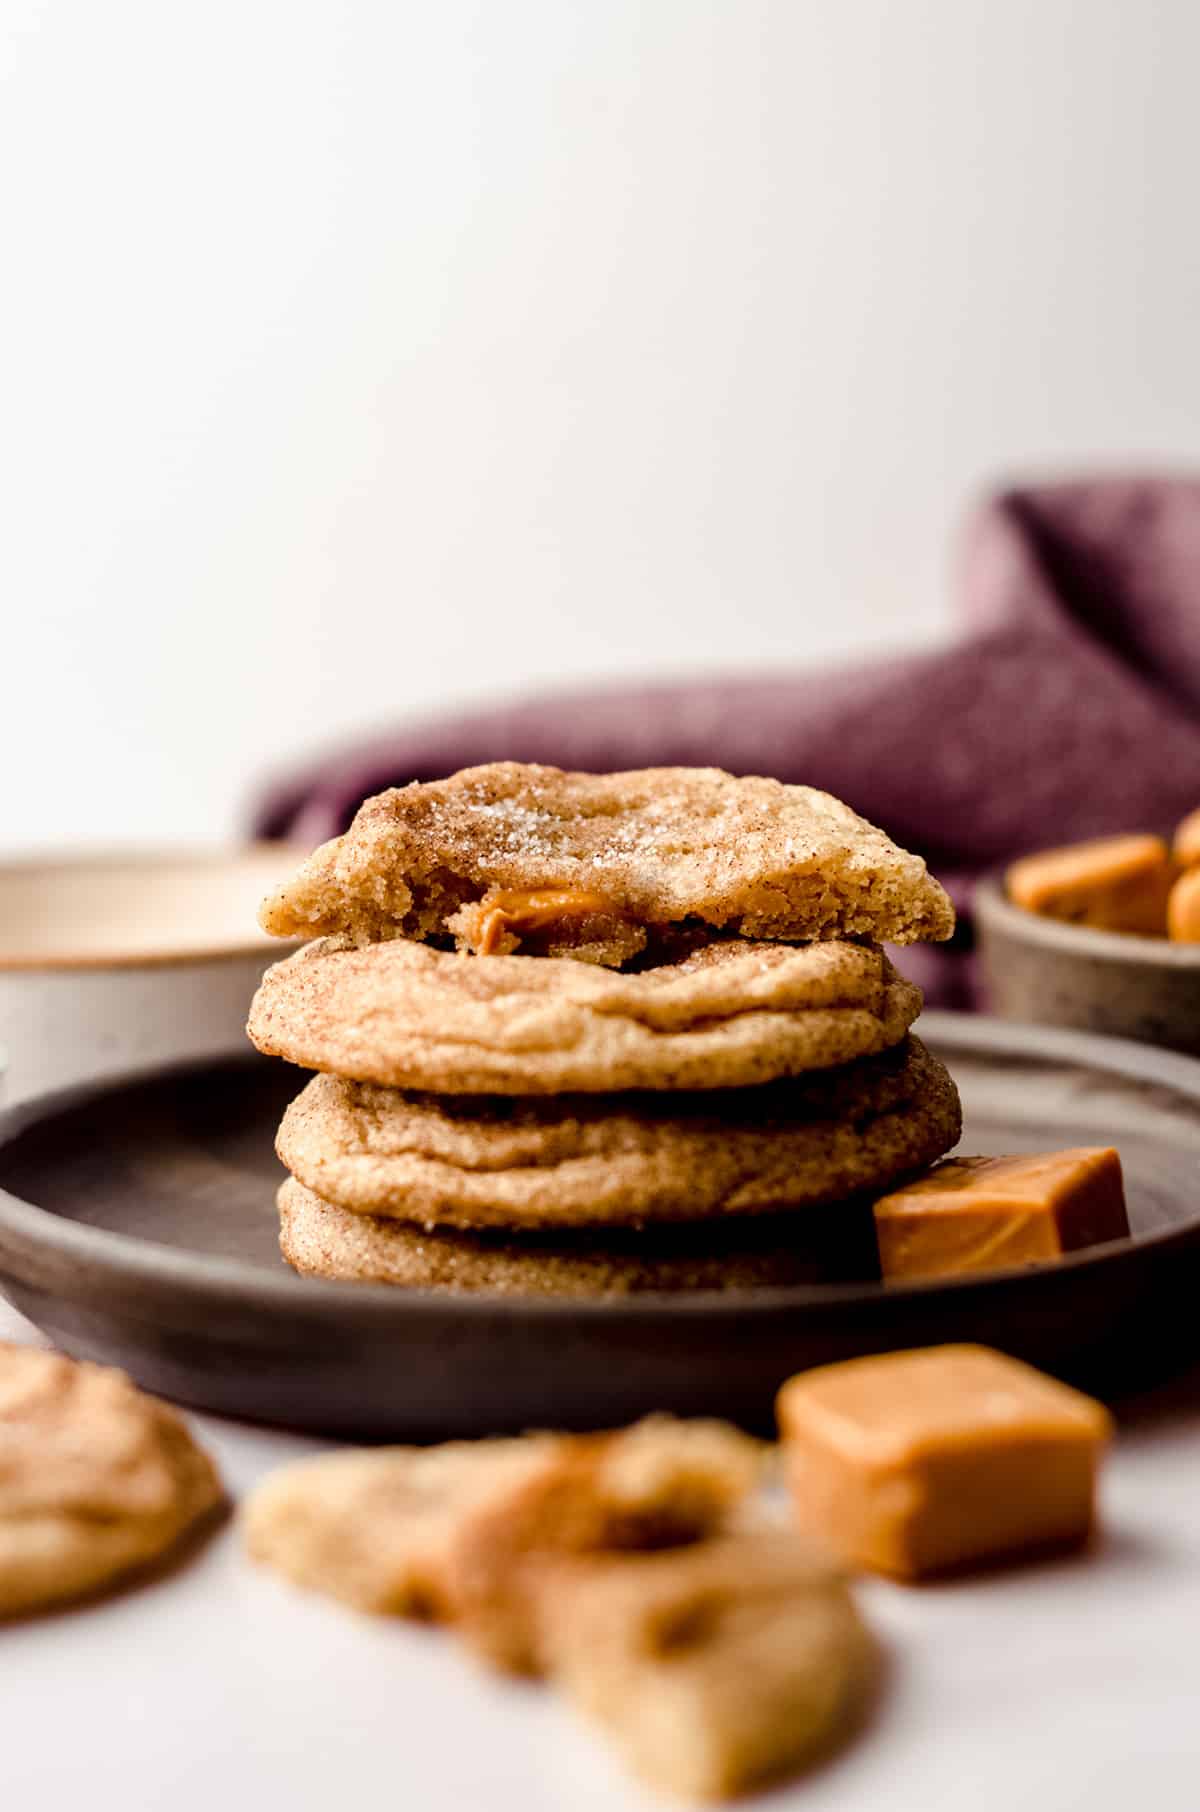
{"x":1110,"y":883}
{"x":915,"y":1463}
{"x":982,"y":1214}
{"x":375,"y":1527}
{"x":515,"y":856}
{"x":731,"y":1015}
{"x":97,"y":1479}
{"x":636,"y":1568}
{"x":659,"y":1484}
{"x":624,"y":1159}
{"x":319,"y":1239}
{"x":715,"y":1668}
{"x":442,"y":1532}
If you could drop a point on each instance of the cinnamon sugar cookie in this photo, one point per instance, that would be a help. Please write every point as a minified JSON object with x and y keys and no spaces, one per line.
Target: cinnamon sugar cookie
{"x":490,"y":1161}
{"x":512,"y":856}
{"x":425,"y":1531}
{"x":660,"y":1483}
{"x":714,"y":1668}
{"x":96,"y":1478}
{"x":374,"y":1527}
{"x":319,"y":1239}
{"x":730,"y":1015}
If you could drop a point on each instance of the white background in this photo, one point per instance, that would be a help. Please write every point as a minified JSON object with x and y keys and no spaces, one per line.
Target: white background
{"x":355,"y":357}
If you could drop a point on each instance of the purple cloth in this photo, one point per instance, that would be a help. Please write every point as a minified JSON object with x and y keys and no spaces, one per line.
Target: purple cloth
{"x":1069,"y":708}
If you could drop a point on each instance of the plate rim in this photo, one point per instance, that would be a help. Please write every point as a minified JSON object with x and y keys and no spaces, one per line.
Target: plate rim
{"x":129,"y":1259}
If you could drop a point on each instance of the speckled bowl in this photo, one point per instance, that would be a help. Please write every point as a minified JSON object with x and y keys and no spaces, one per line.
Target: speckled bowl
{"x":1041,"y":970}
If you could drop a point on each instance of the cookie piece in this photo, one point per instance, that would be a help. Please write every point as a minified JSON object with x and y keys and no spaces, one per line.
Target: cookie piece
{"x":396,"y":1530}
{"x":319,"y":1239}
{"x":374,"y":1528}
{"x":655,"y":1485}
{"x":491,"y":1161}
{"x":96,"y":1479}
{"x":651,"y":848}
{"x":730,"y":1015}
{"x":715,"y":1668}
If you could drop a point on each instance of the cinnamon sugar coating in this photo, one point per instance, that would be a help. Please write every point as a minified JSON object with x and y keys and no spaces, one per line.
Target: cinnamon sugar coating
{"x":319,"y":1239}
{"x":730,"y":1015}
{"x":714,"y":1668}
{"x":664,"y":846}
{"x":657,"y":1484}
{"x":439,"y":1532}
{"x":97,"y":1479}
{"x":623,"y":1160}
{"x":374,"y":1527}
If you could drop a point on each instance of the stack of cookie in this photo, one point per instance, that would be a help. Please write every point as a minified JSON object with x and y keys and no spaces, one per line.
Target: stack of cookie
{"x":585,"y":1034}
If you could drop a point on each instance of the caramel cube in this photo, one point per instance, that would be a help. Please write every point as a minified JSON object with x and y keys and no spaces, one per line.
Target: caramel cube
{"x":1183,"y":909}
{"x":982,"y":1214}
{"x":913,"y":1463}
{"x":1113,"y":883}
{"x":1186,"y":842}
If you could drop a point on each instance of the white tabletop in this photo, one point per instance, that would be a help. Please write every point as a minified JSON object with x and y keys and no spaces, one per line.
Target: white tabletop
{"x":1063,"y":1687}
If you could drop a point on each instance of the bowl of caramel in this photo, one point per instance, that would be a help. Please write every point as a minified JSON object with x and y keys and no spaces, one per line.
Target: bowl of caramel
{"x":1102,"y":935}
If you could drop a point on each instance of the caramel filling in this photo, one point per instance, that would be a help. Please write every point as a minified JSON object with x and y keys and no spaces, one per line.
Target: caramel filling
{"x":534,"y":910}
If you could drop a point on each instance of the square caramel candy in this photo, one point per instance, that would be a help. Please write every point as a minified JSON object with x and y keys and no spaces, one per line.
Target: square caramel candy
{"x":1183,"y":909}
{"x":1186,"y":841}
{"x":981,"y":1214}
{"x":1112,"y":883}
{"x":917,"y":1462}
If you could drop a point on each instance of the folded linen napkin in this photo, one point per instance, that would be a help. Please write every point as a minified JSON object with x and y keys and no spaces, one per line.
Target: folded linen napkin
{"x":1068,"y":708}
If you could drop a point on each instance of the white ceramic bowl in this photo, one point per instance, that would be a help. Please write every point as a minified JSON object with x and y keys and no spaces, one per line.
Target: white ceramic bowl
{"x":111,"y":962}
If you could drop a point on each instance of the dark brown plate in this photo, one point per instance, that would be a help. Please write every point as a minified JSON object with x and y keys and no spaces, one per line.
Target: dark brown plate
{"x":137,"y":1226}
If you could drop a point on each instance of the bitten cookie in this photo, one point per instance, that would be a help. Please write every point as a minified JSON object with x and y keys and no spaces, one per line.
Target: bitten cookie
{"x":656,"y":1484}
{"x":411,"y":1531}
{"x":97,"y":1479}
{"x":515,"y":856}
{"x":731,"y":1015}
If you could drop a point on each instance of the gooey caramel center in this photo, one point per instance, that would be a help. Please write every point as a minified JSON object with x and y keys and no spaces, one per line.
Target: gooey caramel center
{"x":534,"y":909}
